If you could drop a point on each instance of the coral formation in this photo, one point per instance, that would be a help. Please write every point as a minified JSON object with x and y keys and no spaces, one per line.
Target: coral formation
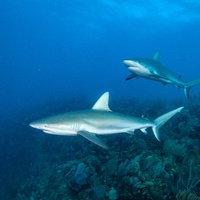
{"x":135,"y":167}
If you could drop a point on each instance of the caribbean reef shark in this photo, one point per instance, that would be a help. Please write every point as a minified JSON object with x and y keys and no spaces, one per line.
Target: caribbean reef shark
{"x":152,"y":69}
{"x":99,"y":120}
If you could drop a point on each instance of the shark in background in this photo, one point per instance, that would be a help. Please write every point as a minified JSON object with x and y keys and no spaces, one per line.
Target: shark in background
{"x":152,"y":69}
{"x":99,"y":120}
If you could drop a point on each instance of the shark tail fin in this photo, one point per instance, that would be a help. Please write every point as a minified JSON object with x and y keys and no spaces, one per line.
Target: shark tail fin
{"x":189,"y":85}
{"x":160,"y":121}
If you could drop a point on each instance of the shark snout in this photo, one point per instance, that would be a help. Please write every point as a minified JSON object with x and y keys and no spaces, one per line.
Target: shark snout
{"x":36,"y":125}
{"x":32,"y":124}
{"x":127,"y":63}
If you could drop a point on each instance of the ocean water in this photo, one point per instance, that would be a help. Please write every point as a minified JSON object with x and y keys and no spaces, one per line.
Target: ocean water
{"x":59,"y":56}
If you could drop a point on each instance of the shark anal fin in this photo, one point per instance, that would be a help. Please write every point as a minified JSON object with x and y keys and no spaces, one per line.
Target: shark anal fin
{"x":144,"y":130}
{"x":131,"y":76}
{"x":93,"y":138}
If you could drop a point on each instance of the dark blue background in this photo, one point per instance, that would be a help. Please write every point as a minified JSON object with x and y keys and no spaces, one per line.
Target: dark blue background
{"x":52,"y":50}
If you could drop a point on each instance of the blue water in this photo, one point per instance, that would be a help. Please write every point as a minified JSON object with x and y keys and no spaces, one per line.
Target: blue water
{"x":62,"y":55}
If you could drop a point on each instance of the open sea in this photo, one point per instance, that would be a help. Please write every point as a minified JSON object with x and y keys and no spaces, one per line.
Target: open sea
{"x":61,"y":56}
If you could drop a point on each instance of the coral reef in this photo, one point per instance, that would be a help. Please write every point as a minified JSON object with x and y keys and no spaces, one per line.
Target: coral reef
{"x":135,"y":167}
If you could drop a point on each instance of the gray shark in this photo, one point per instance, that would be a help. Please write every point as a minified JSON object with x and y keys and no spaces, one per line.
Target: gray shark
{"x":152,"y":69}
{"x":99,"y":120}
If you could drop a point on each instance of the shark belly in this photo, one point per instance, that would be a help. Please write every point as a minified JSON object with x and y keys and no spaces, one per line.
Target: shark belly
{"x":111,"y":123}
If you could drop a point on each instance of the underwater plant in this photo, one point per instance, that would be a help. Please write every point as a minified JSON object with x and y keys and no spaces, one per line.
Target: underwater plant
{"x":174,"y":148}
{"x":185,"y":195}
{"x":189,"y":174}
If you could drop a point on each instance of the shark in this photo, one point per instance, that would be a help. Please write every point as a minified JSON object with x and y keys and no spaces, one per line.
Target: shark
{"x":99,"y":120}
{"x":152,"y":69}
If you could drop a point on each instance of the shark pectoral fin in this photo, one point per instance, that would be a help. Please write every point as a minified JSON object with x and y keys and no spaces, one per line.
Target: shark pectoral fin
{"x":131,"y":76}
{"x":93,"y":138}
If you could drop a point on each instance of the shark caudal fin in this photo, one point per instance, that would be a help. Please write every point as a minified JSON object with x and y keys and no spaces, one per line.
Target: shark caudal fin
{"x":189,"y":85}
{"x":160,"y":121}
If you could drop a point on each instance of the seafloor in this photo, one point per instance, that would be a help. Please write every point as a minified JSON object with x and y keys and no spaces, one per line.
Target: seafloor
{"x":38,"y":166}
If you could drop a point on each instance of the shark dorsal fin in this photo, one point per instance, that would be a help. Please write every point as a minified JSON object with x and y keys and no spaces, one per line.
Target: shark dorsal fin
{"x":156,"y":56}
{"x":102,"y":103}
